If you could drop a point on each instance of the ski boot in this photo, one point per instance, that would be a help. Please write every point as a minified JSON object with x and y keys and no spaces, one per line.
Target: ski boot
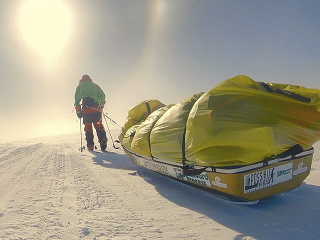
{"x":102,"y":139}
{"x":103,"y":145}
{"x":90,"y":143}
{"x":90,"y":148}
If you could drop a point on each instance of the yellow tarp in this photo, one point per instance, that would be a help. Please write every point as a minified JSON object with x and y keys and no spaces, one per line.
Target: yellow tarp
{"x":238,"y":122}
{"x":141,"y":141}
{"x":167,"y":135}
{"x":138,"y":113}
{"x":128,"y":136}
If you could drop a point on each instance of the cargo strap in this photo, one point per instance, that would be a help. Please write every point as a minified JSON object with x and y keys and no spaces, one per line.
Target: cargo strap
{"x":287,"y":93}
{"x":291,"y":151}
{"x":183,"y":147}
{"x":191,"y":171}
{"x":149,"y":111}
{"x":188,"y":169}
{"x":148,"y":107}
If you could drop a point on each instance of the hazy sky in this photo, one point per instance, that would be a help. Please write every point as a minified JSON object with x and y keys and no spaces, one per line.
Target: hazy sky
{"x":137,"y":50}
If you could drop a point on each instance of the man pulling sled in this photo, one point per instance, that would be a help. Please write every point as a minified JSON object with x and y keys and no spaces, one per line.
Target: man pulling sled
{"x":92,"y":100}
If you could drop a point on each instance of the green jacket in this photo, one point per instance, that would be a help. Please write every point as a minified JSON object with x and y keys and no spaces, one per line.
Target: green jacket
{"x":89,"y":89}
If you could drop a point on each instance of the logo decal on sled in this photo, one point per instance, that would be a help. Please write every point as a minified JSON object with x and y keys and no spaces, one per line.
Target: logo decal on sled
{"x":201,"y":179}
{"x":160,"y":168}
{"x":268,"y":177}
{"x":301,"y":169}
{"x":217,"y":182}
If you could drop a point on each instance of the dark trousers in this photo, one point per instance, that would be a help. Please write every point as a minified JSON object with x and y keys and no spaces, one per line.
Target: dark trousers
{"x":89,"y":130}
{"x":92,"y":116}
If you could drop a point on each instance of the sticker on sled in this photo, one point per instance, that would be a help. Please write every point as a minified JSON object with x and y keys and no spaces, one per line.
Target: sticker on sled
{"x":268,"y":177}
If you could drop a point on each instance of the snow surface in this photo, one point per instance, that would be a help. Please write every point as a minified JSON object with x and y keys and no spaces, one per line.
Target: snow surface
{"x":51,"y":190}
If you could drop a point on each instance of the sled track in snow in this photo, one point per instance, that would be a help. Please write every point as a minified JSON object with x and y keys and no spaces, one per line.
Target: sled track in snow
{"x":53,"y":191}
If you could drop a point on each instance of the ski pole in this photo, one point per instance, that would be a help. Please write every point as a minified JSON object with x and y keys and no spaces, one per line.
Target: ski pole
{"x":117,"y":141}
{"x":81,"y":147}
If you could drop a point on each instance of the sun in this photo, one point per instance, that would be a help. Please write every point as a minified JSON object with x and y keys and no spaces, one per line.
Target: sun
{"x":45,"y":26}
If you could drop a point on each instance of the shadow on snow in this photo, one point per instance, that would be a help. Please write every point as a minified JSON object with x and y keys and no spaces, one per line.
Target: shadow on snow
{"x":294,"y":214}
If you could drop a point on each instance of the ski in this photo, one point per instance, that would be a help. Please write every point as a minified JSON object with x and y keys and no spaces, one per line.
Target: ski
{"x":233,"y":201}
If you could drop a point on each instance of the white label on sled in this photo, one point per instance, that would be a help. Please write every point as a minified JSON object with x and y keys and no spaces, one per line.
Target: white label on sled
{"x":157,"y":167}
{"x":268,"y":177}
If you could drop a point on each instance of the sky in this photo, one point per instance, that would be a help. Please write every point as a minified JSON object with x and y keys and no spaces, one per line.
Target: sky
{"x":137,"y":50}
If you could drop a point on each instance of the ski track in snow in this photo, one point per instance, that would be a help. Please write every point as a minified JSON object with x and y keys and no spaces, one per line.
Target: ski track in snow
{"x":51,"y":190}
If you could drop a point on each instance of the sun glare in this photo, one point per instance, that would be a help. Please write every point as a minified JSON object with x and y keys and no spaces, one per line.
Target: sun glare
{"x":45,"y":26}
